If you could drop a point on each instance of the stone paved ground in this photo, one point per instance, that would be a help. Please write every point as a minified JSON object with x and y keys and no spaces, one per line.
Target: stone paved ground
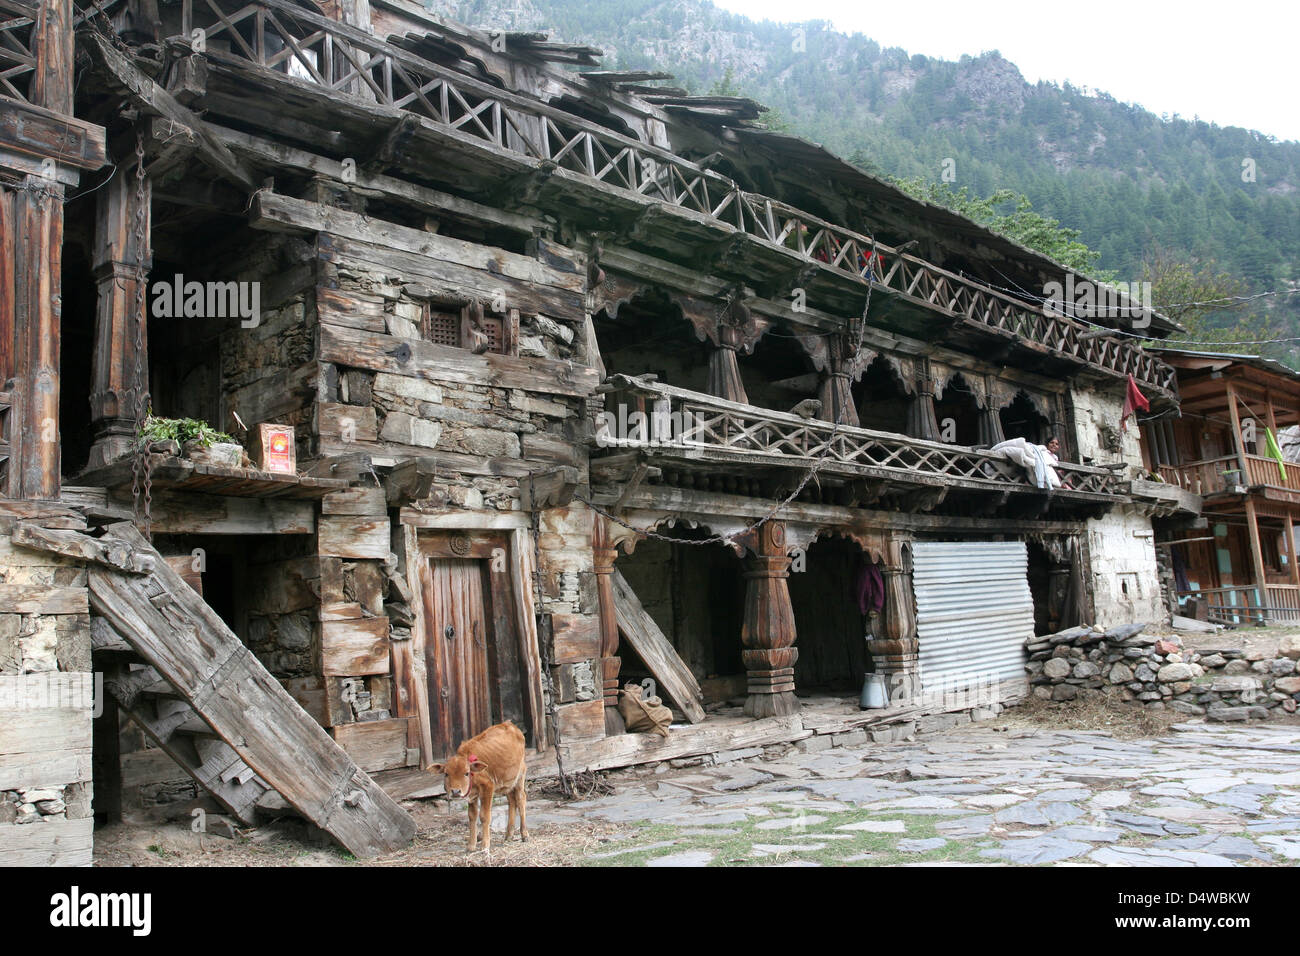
{"x":1203,"y":795}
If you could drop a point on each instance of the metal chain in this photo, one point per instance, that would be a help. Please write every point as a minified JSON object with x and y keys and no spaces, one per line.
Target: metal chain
{"x":141,"y":466}
{"x":812,"y":471}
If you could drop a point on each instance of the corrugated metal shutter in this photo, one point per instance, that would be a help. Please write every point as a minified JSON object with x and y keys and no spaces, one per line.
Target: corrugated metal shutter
{"x":973,"y":611}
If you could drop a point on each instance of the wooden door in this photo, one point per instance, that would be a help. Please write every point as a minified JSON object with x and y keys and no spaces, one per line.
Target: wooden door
{"x":471,"y":646}
{"x":456,"y":651}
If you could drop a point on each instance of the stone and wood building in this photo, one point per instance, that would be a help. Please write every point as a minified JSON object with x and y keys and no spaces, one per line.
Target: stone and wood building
{"x":590,"y":381}
{"x":1236,"y":564}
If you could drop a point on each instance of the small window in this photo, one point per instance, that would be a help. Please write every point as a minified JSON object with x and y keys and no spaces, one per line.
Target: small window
{"x":471,"y":327}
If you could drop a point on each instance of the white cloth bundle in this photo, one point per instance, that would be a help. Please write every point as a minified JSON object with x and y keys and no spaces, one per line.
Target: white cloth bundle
{"x":1037,"y":461}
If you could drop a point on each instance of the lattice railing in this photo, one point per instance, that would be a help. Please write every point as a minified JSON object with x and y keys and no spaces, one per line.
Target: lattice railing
{"x":281,"y":36}
{"x":696,"y":425}
{"x":17,"y":60}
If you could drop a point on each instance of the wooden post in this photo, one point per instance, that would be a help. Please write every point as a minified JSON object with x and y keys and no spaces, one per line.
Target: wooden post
{"x":38,"y":260}
{"x":724,"y":370}
{"x":112,"y":387}
{"x":836,"y":389}
{"x":768,"y":632}
{"x":38,"y":265}
{"x":1237,"y":443}
{"x":990,"y":419}
{"x":1288,"y":537}
{"x":921,"y":421}
{"x":604,"y":553}
{"x":52,"y":39}
{"x":894,"y":649}
{"x":1257,"y":556}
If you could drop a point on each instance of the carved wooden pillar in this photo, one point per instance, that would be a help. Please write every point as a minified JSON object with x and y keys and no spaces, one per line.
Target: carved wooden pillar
{"x":113,"y":374}
{"x":37,"y":243}
{"x":605,"y":552}
{"x":894,"y":649}
{"x":724,"y":368}
{"x":990,"y":418}
{"x":732,"y":329}
{"x":841,"y":370}
{"x":768,"y":633}
{"x":921,"y":421}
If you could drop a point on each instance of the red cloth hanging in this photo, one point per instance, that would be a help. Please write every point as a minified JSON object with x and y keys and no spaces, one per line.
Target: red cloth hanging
{"x":1134,"y":401}
{"x":870,"y":589}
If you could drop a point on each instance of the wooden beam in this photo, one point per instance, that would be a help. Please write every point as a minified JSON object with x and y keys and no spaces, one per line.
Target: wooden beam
{"x":178,"y":634}
{"x":643,"y":634}
{"x":152,"y":98}
{"x":36,"y":131}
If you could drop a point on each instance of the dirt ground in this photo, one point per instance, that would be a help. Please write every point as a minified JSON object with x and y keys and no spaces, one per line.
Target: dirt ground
{"x":441,"y":840}
{"x":1252,"y":640}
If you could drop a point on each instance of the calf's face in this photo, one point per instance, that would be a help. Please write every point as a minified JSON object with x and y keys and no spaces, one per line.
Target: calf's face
{"x":458,"y":773}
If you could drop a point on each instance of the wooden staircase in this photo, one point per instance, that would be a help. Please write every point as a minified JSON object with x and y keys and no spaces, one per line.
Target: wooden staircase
{"x":210,"y":704}
{"x":176,"y":727}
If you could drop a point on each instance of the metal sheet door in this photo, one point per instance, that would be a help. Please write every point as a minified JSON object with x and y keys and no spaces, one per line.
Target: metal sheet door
{"x":456,"y":651}
{"x":973,"y":611}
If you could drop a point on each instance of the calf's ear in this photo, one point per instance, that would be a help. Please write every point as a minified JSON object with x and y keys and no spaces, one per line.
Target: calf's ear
{"x":435,"y":768}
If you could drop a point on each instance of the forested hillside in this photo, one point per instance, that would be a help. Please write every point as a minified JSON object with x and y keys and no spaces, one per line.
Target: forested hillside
{"x":1133,"y":184}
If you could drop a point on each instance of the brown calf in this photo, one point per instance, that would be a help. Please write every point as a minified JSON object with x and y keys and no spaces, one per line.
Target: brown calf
{"x":494,"y":760}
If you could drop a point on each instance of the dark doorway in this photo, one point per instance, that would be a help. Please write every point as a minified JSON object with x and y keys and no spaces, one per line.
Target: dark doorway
{"x":1022,"y":419}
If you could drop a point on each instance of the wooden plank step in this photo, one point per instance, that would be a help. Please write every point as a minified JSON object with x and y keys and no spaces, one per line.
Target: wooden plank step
{"x":173,"y":629}
{"x":639,"y":629}
{"x":210,"y":762}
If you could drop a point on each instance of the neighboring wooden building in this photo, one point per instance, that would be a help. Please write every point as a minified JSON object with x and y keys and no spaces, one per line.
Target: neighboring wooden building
{"x":1237,"y":565}
{"x":590,"y":382}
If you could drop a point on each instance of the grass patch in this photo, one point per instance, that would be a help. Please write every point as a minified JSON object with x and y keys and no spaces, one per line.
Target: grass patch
{"x":737,"y":848}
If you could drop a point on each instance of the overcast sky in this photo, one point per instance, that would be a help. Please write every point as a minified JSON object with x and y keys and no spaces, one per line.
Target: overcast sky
{"x":1235,"y":64}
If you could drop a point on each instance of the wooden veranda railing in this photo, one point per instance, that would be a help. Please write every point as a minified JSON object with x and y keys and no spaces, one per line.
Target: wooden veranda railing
{"x":308,"y":48}
{"x":1222,"y":474}
{"x":1243,"y":605}
{"x":17,"y":59}
{"x":677,"y":421}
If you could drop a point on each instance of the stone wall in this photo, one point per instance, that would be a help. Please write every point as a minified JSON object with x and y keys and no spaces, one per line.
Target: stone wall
{"x":1155,"y":672}
{"x":1124,"y":576}
{"x":46,"y":703}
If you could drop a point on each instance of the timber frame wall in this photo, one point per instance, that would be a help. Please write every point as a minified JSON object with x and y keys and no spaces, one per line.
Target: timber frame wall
{"x":45,"y":661}
{"x":440,"y":245}
{"x":1240,"y":565}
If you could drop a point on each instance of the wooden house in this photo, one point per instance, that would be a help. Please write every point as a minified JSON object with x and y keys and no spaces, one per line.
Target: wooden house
{"x":591,"y":381}
{"x":1237,"y":564}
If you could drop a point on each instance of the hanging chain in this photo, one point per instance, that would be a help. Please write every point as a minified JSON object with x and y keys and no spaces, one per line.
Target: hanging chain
{"x":728,"y":539}
{"x":141,"y":466}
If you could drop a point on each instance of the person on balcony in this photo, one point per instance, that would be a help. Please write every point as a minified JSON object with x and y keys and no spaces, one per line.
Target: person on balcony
{"x":1039,"y":461}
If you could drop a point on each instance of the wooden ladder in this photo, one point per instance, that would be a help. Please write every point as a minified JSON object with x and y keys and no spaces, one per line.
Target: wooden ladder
{"x":211,"y":705}
{"x":177,"y":728}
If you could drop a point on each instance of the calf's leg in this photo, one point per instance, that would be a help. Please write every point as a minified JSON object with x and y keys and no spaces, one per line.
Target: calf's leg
{"x":510,"y":816}
{"x":485,"y":810}
{"x":473,"y":821}
{"x":521,"y":798}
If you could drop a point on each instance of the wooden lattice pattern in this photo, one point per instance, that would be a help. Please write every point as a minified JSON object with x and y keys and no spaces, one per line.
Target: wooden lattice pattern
{"x":17,"y":61}
{"x":756,"y":434}
{"x":280,"y":36}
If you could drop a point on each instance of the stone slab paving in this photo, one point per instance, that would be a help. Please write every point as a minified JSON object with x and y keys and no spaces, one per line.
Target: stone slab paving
{"x":976,"y":795}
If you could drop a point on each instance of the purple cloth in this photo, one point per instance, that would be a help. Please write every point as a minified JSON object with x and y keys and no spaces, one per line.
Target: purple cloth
{"x":871,"y":589}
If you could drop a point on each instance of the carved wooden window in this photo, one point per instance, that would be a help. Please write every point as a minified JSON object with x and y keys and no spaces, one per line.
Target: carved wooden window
{"x":471,"y":327}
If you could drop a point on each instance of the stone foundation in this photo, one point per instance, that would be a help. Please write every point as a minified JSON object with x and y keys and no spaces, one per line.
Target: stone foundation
{"x":1156,"y":672}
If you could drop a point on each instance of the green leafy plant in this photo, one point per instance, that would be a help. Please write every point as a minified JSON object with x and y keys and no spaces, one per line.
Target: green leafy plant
{"x":181,"y":430}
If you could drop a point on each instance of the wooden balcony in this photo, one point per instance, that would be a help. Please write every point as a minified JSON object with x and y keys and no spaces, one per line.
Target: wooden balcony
{"x":681,"y":429}
{"x":1221,"y":475}
{"x":614,"y":174}
{"x":1235,"y":606}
